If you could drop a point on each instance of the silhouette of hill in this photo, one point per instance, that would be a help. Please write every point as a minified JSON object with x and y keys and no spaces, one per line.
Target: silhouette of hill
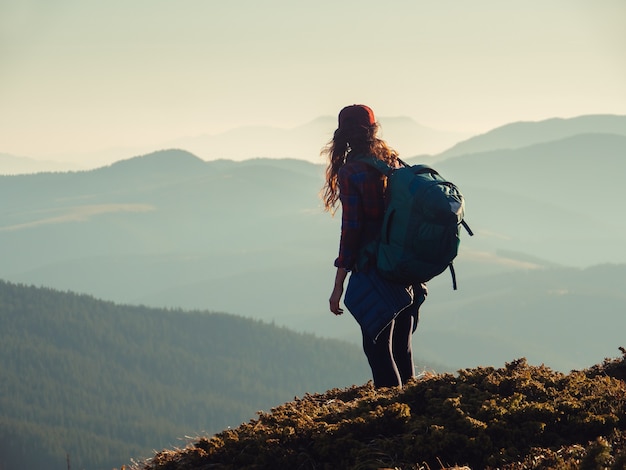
{"x":105,"y":382}
{"x":523,"y":134}
{"x":165,"y":163}
{"x":516,"y":417}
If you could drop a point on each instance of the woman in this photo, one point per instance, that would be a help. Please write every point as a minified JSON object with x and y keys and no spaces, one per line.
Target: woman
{"x":360,"y":189}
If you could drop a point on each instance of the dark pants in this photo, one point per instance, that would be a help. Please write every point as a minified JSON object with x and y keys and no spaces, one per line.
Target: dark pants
{"x":391,"y":356}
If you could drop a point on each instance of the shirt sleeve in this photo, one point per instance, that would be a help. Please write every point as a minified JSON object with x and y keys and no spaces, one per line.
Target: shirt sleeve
{"x":351,"y":220}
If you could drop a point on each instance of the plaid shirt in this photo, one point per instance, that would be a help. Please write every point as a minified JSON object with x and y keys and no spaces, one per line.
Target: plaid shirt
{"x":362,"y":196}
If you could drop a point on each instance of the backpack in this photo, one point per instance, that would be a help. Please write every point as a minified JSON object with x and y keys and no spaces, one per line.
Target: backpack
{"x":421,"y":227}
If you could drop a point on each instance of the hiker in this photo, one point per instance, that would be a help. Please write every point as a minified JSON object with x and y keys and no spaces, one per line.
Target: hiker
{"x":360,"y":189}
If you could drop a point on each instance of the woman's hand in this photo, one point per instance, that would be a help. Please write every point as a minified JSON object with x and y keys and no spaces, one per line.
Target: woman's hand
{"x":335,"y":297}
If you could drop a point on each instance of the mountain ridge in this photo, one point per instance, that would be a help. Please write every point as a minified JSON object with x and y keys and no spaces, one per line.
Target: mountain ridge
{"x":409,"y":137}
{"x":303,"y":142}
{"x":525,"y":133}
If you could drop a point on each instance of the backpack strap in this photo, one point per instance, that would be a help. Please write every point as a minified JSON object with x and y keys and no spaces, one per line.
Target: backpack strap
{"x":376,"y":163}
{"x":453,"y":274}
{"x":386,"y":170}
{"x":469,"y":230}
{"x":419,"y":169}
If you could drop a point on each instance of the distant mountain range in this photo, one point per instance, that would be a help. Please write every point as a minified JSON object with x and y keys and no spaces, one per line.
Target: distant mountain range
{"x":303,"y":142}
{"x":168,"y":229}
{"x":522,"y":134}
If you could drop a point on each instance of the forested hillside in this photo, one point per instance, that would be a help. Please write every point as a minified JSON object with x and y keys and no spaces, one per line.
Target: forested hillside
{"x":105,"y":383}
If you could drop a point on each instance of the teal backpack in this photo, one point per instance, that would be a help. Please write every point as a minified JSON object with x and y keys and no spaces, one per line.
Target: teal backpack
{"x":421,"y":229}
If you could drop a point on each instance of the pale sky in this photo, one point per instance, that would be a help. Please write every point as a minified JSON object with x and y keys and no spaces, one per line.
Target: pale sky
{"x":85,"y":75}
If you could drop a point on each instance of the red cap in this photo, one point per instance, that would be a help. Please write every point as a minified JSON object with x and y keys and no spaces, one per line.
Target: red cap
{"x":356,"y":115}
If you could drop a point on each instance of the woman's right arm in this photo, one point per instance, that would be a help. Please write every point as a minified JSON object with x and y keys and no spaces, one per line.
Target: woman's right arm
{"x":351,"y":220}
{"x":335,"y":296}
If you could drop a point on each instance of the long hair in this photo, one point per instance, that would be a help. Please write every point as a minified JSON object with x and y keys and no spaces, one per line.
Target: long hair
{"x":357,"y":140}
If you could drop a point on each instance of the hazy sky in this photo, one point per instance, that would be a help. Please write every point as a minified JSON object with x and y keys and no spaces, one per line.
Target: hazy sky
{"x":84,"y":75}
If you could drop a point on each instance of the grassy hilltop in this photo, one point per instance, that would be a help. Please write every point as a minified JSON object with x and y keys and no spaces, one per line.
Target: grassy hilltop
{"x":516,"y":417}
